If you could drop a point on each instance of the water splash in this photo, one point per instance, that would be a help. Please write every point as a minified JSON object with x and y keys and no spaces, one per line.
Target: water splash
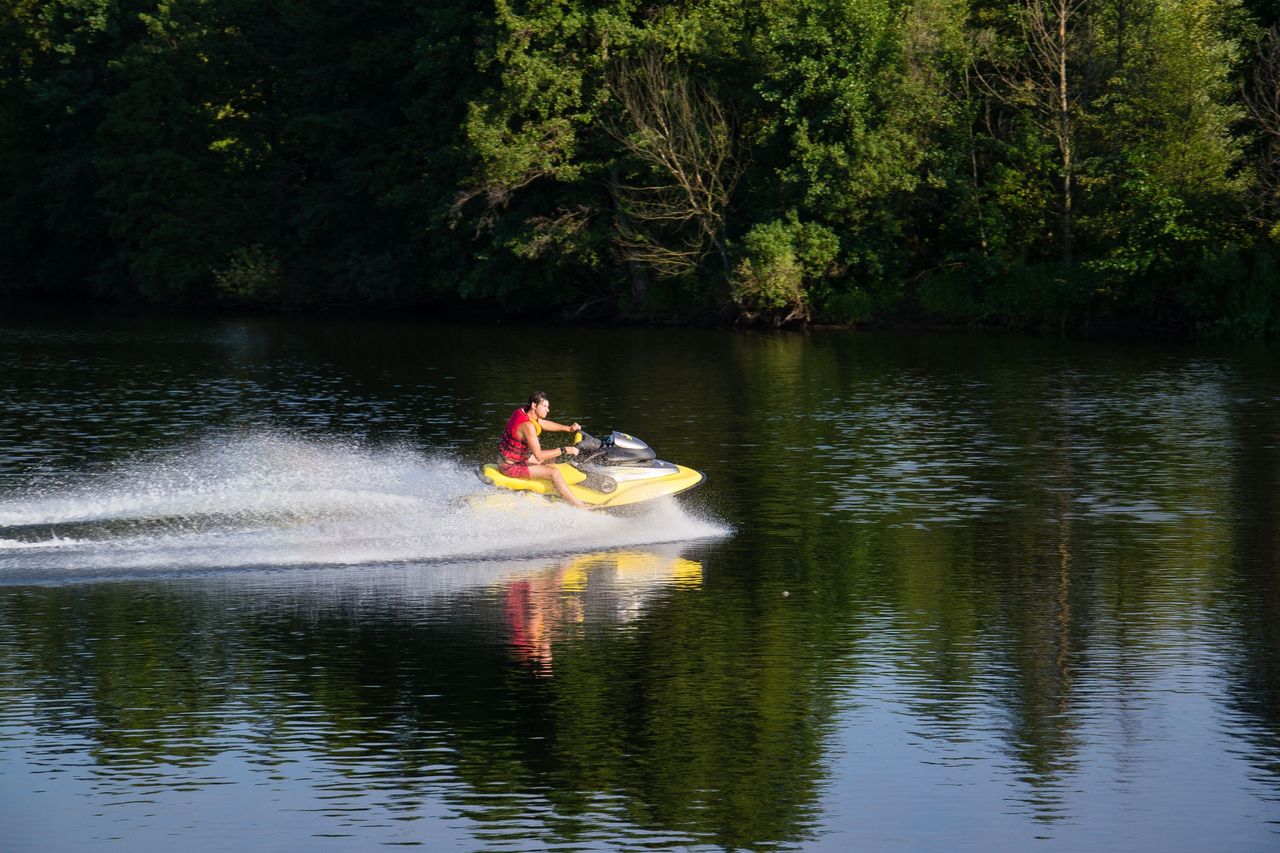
{"x":273,"y":500}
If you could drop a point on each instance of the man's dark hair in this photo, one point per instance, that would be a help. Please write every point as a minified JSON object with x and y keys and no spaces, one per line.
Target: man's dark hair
{"x":535,"y":398}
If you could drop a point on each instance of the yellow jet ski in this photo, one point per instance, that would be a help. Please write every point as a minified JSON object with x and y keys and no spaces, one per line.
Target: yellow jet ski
{"x":617,"y":470}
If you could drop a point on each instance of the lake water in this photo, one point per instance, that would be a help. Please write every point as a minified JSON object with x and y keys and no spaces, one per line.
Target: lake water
{"x":943,"y":593}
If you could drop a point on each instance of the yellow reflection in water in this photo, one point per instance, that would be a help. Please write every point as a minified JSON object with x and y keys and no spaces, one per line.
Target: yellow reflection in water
{"x":605,"y":586}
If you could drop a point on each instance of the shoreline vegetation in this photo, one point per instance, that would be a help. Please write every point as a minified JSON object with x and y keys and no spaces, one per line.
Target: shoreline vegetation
{"x":1063,"y":165}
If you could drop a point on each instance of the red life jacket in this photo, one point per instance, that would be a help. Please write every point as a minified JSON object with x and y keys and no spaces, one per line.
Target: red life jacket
{"x":512,"y":445}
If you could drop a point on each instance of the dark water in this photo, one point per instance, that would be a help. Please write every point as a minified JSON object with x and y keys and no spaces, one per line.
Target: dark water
{"x":938,"y":593}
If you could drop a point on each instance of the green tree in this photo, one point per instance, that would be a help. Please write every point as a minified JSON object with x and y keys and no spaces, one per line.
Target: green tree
{"x":1167,"y":155}
{"x":844,"y":127}
{"x":53,"y":88}
{"x":157,"y":158}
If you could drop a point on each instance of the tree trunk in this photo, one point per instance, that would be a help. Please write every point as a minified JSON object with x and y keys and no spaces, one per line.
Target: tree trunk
{"x":976,"y":187}
{"x":1064,"y":132}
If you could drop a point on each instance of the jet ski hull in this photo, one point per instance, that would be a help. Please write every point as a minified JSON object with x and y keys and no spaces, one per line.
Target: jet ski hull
{"x":604,"y":487}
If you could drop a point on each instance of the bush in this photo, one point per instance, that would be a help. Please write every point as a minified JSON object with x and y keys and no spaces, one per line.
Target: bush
{"x":781,"y":261}
{"x":252,"y":276}
{"x":1237,"y":295}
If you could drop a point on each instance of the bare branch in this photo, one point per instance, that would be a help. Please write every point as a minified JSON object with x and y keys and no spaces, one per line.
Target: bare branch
{"x":680,"y":132}
{"x":1262,"y":100}
{"x":550,"y":231}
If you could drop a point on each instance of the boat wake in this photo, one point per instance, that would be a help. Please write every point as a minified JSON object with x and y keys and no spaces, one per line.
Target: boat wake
{"x":276,"y":501}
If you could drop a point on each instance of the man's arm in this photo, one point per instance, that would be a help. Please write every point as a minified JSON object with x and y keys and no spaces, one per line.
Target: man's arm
{"x":535,"y":446}
{"x":552,"y":426}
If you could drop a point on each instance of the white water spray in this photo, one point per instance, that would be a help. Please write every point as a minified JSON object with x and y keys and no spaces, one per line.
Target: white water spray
{"x":268,"y":500}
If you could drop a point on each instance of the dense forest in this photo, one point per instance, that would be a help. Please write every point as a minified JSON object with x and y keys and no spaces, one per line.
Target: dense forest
{"x":1031,"y":163}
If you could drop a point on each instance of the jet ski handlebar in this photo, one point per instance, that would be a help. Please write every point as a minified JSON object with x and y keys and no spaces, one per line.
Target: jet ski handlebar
{"x":616,"y":448}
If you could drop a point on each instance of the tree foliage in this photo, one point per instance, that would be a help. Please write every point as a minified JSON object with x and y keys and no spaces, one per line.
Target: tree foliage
{"x":1045,"y":161}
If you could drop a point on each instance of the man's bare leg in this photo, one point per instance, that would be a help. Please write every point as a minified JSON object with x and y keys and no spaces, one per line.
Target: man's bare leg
{"x":552,"y":473}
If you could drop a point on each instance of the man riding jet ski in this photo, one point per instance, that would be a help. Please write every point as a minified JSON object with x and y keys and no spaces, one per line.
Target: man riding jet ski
{"x":521,"y":452}
{"x":615,"y":471}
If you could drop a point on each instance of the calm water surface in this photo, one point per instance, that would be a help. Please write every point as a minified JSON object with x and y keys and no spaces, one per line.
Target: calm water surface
{"x":938,"y":593}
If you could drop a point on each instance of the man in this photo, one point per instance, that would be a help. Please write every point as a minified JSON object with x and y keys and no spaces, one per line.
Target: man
{"x":522,"y":455}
